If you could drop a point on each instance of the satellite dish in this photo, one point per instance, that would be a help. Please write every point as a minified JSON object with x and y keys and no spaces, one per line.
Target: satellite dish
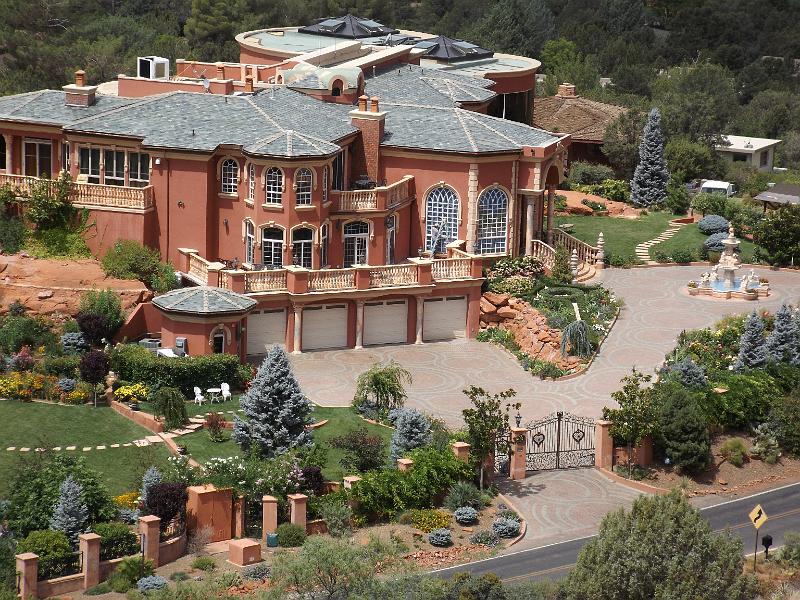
{"x":206,"y":83}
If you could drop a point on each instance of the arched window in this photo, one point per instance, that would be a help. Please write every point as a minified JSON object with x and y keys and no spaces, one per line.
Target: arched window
{"x":303,"y":181}
{"x":323,"y":247}
{"x":249,"y":242}
{"x":492,"y":222}
{"x":251,"y":182}
{"x":336,"y":90}
{"x":272,"y":247}
{"x":301,"y":247}
{"x":356,"y":236}
{"x":229,"y":176}
{"x":391,"y":238}
{"x":274,"y":185}
{"x":441,"y":218}
{"x":218,"y":341}
{"x":324,"y":184}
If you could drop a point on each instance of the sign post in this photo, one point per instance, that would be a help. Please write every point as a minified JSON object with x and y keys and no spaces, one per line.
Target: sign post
{"x":757,"y":517}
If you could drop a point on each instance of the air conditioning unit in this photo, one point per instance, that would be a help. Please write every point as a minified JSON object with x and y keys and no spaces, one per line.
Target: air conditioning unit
{"x":181,"y":346}
{"x":152,"y":67}
{"x":150,"y":343}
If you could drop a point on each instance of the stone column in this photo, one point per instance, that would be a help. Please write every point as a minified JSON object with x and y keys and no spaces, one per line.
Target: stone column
{"x":269,"y":516}
{"x":530,"y":211}
{"x":350,"y":481}
{"x":603,"y":445}
{"x":517,"y":466}
{"x":472,"y":208}
{"x":420,"y":317}
{"x":298,"y":329}
{"x":573,"y":264}
{"x":359,"y":324}
{"x":404,"y":464}
{"x":297,"y":509}
{"x":461,"y":450}
{"x":551,"y":210}
{"x":600,"y":257}
{"x":238,"y":517}
{"x":89,"y":545}
{"x":28,"y":569}
{"x":149,"y":530}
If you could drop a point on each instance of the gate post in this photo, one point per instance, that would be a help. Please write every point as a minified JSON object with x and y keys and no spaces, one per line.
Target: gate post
{"x":518,"y":445}
{"x":604,"y":445}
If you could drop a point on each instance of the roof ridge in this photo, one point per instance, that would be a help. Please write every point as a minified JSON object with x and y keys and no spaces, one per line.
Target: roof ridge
{"x":114,"y":109}
{"x":310,"y":140}
{"x":33,"y":96}
{"x":264,"y":114}
{"x":467,"y":132}
{"x":495,"y":131}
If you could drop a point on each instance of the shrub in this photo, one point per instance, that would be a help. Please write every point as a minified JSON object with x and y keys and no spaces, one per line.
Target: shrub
{"x":12,"y":234}
{"x":290,"y":535}
{"x":506,"y":528}
{"x":381,"y":388}
{"x":67,"y":384}
{"x":170,"y":404}
{"x":678,"y":200}
{"x":683,"y":433}
{"x":364,"y":452}
{"x":128,"y":572}
{"x":106,"y":303}
{"x":204,"y":563}
{"x":127,"y":500}
{"x":682,"y":255}
{"x":412,"y":430}
{"x":18,"y":331}
{"x":179,"y":576}
{"x":584,"y":173}
{"x":689,"y":374}
{"x":215,"y":426}
{"x":528,"y":267}
{"x":313,"y":481}
{"x":786,"y":417}
{"x":507,"y":513}
{"x":133,"y":393}
{"x":99,"y":589}
{"x":615,"y":189}
{"x":93,"y":366}
{"x":94,"y":327}
{"x":713,"y":224}
{"x":765,"y":444}
{"x":466,"y":515}
{"x":167,"y":501}
{"x":486,"y":538}
{"x":150,"y":583}
{"x":74,"y":343}
{"x":561,"y":272}
{"x":429,"y":519}
{"x":440,"y":538}
{"x":116,"y":540}
{"x":734,"y":451}
{"x":337,"y":516}
{"x":128,"y":259}
{"x":661,"y":256}
{"x":714,"y":243}
{"x":60,"y":366}
{"x":747,"y":401}
{"x":53,"y":548}
{"x":463,"y":493}
{"x":257,"y":572}
{"x":150,"y":478}
{"x":790,"y":552}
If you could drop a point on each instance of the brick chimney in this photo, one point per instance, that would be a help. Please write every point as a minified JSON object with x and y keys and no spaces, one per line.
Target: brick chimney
{"x":366,"y":155}
{"x":78,"y":93}
{"x":248,"y":84}
{"x":566,"y":90}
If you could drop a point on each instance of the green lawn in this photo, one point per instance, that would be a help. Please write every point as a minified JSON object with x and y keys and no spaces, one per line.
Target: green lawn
{"x":193,"y":409}
{"x":689,"y":237}
{"x":621,"y":235}
{"x":340,"y":420}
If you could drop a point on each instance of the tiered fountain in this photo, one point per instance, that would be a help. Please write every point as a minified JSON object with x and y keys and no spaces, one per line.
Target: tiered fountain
{"x":722,"y":282}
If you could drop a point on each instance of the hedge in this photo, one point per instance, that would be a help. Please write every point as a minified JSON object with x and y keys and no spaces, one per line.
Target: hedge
{"x":116,"y":540}
{"x":134,"y":363}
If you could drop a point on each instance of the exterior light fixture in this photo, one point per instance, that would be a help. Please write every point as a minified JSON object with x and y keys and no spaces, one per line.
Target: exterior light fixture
{"x":518,"y":419}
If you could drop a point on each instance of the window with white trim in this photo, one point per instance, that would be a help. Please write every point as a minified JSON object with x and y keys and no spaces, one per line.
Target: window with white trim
{"x":492,"y":222}
{"x":356,"y":236}
{"x":37,"y":158}
{"x":138,"y":169}
{"x":323,"y":247}
{"x":64,"y":155}
{"x":249,"y":242}
{"x":324,"y":184}
{"x":391,"y":238}
{"x":251,"y":182}
{"x":303,"y":181}
{"x":229,"y":176}
{"x":114,"y":167}
{"x":89,"y":164}
{"x":302,"y":239}
{"x":274,"y":186}
{"x":338,"y":172}
{"x":441,"y":218}
{"x":272,"y":247}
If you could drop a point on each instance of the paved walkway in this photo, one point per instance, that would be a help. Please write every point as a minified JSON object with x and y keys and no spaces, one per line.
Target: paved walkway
{"x":643,"y":249}
{"x":657,"y":308}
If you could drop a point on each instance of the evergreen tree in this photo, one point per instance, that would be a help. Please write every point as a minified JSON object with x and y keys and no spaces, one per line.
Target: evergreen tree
{"x":683,"y":434}
{"x":70,"y":514}
{"x":561,"y":272}
{"x":752,"y":347}
{"x":150,"y":478}
{"x":525,"y":25}
{"x":649,"y":184}
{"x":277,"y":411}
{"x":783,"y":344}
{"x":689,"y":373}
{"x":412,"y":430}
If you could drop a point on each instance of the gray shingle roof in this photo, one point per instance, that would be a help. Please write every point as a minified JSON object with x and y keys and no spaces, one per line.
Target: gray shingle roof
{"x":47,"y":107}
{"x":348,"y":26}
{"x":204,"y":300}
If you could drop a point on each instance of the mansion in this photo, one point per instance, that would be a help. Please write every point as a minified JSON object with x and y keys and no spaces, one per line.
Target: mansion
{"x":343,"y":185}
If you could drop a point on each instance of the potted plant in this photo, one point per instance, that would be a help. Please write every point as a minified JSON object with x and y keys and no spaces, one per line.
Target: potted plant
{"x":182,"y":450}
{"x":134,"y":406}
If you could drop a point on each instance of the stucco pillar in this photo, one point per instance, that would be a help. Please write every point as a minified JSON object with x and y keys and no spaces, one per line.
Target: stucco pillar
{"x":472,"y":208}
{"x":269,"y":516}
{"x":539,"y":217}
{"x":603,"y":445}
{"x":404,"y":464}
{"x":28,"y":569}
{"x":551,"y":210}
{"x":238,"y":517}
{"x":297,"y":509}
{"x":149,"y":530}
{"x":461,"y":450}
{"x":420,"y":316}
{"x":517,"y":467}
{"x":89,"y":546}
{"x":9,"y":139}
{"x":298,"y":329}
{"x":530,"y":211}
{"x":359,"y":324}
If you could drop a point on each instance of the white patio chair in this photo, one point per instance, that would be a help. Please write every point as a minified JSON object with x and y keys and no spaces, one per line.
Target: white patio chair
{"x":226,"y":391}
{"x":198,"y":396}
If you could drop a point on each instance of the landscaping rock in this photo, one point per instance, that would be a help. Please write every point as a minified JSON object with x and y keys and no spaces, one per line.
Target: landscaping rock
{"x":506,"y":312}
{"x":45,"y":294}
{"x":497,"y":299}
{"x":487,"y":307}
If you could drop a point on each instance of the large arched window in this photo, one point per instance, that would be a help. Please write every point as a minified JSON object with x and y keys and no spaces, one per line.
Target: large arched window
{"x":251,"y":182}
{"x":249,"y":242}
{"x":301,"y":247}
{"x":272,"y":247}
{"x":274,"y":185}
{"x":303,"y":181}
{"x":441,"y":218}
{"x":229,"y":176}
{"x":356,"y":236}
{"x":492,"y":222}
{"x":324,"y":184}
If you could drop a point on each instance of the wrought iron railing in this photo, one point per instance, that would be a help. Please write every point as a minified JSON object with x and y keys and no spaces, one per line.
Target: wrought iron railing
{"x":51,"y":567}
{"x":175,"y":528}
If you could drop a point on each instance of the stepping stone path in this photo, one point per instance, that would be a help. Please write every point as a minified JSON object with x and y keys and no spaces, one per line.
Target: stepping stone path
{"x":643,"y":249}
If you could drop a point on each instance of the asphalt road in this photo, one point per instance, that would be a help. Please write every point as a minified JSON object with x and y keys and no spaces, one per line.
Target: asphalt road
{"x":554,"y":561}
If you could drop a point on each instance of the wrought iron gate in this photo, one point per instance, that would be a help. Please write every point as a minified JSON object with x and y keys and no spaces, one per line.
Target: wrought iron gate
{"x":559,"y":441}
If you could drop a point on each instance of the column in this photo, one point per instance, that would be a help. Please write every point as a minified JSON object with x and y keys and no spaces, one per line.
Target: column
{"x":9,"y":141}
{"x":297,"y":509}
{"x":359,"y":324}
{"x":539,"y":217}
{"x":517,"y":466}
{"x":149,"y":530}
{"x":551,"y":209}
{"x":269,"y":516}
{"x":298,"y":329}
{"x":461,"y":450}
{"x":404,"y":464}
{"x":530,"y":211}
{"x":28,"y":569}
{"x":89,"y":544}
{"x":420,"y":316}
{"x":603,"y":445}
{"x":472,"y":208}
{"x":238,"y":517}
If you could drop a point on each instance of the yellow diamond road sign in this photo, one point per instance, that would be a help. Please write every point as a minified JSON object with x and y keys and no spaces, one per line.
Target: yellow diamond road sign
{"x":758,"y":517}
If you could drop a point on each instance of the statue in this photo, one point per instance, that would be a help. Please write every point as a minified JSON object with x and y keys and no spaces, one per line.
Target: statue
{"x":705,"y":279}
{"x":714,"y":273}
{"x":744,"y":283}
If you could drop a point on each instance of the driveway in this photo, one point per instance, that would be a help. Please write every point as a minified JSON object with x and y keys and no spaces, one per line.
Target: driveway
{"x":656,"y":310}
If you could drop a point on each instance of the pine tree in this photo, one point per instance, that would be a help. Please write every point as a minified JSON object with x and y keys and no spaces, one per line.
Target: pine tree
{"x":277,"y":411}
{"x":683,"y":433}
{"x":649,"y":184}
{"x":783,"y":344}
{"x":561,"y":272}
{"x":412,"y":430}
{"x":752,"y":346}
{"x":70,"y":514}
{"x":689,"y":373}
{"x":150,"y":478}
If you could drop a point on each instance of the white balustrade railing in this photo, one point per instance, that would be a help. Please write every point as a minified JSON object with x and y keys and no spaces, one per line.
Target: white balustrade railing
{"x":356,"y":200}
{"x":392,"y":275}
{"x":331,"y":279}
{"x":451,"y":268}
{"x":586,"y":253}
{"x":89,"y":194}
{"x":265,"y":281}
{"x":544,"y":253}
{"x":198,"y":268}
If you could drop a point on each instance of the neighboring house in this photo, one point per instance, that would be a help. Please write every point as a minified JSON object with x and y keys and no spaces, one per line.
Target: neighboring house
{"x":756,"y":152}
{"x":584,"y":120}
{"x":308,"y":190}
{"x":779,"y":195}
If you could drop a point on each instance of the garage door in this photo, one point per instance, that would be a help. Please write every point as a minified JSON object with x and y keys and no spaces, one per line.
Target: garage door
{"x":444,"y":318}
{"x":385,"y":322}
{"x":265,"y":329}
{"x":325,"y":327}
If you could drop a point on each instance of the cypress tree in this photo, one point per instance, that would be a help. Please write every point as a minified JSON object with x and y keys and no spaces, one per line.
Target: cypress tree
{"x":277,"y":411}
{"x":784,"y":341}
{"x":752,"y":346}
{"x":649,"y":184}
{"x":412,"y":430}
{"x":70,"y":514}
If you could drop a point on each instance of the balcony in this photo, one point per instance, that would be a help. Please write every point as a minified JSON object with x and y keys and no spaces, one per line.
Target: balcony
{"x":90,"y":195}
{"x":378,"y":199}
{"x":296,"y":280}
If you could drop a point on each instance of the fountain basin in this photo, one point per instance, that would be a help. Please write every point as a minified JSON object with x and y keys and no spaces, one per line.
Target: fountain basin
{"x":722,"y":290}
